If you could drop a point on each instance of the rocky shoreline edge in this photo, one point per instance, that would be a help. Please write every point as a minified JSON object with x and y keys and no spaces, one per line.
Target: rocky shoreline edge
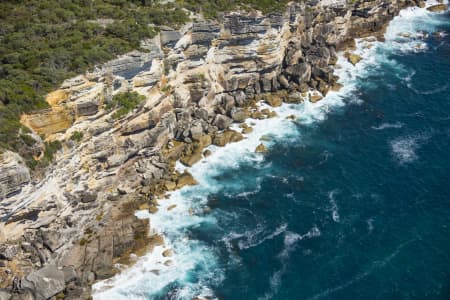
{"x":81,"y":220}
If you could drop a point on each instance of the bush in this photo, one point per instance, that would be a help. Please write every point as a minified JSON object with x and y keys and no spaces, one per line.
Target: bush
{"x":77,"y":136}
{"x":44,"y":42}
{"x":124,"y":103}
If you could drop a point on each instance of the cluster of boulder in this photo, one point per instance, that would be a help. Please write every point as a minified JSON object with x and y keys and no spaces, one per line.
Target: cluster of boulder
{"x":63,"y":232}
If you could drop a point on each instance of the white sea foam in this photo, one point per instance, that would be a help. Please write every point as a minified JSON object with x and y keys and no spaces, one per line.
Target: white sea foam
{"x":388,"y":126}
{"x":428,"y":92}
{"x":194,"y":266}
{"x":254,"y":240}
{"x":405,"y":148}
{"x":334,"y":208}
{"x":290,"y":243}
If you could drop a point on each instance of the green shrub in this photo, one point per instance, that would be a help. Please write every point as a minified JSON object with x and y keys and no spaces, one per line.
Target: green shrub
{"x":124,"y":103}
{"x":76,"y":136}
{"x":50,"y":149}
{"x":44,"y":42}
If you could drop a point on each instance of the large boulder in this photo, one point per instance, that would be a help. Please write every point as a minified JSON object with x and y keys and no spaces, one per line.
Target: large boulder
{"x":353,"y":58}
{"x":226,"y":137}
{"x":46,"y":282}
{"x":185,"y":179}
{"x":4,"y":295}
{"x":239,"y":114}
{"x":222,"y":122}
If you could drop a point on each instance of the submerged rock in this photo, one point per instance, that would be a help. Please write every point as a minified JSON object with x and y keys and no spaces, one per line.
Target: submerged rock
{"x":226,"y":137}
{"x":186,"y":179}
{"x":353,"y":58}
{"x":438,"y":8}
{"x":261,"y":148}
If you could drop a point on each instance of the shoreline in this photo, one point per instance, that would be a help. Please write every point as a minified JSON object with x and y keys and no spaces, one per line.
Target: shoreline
{"x":144,"y":196}
{"x":363,"y":47}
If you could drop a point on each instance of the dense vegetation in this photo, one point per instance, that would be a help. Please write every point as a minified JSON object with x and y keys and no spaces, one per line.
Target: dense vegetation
{"x":210,"y":9}
{"x":124,"y":103}
{"x":43,"y":42}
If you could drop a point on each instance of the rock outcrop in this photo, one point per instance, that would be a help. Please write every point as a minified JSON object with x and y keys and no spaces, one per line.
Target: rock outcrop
{"x":13,"y":174}
{"x":75,"y":224}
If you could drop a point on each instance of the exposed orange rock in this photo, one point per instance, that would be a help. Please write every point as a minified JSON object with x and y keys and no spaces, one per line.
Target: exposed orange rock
{"x":47,"y":121}
{"x":56,"y":97}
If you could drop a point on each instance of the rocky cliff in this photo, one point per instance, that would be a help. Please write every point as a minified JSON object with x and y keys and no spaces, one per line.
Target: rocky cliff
{"x":61,"y":233}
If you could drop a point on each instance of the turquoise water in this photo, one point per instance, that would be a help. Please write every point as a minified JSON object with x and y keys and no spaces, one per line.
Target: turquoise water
{"x":351,"y":202}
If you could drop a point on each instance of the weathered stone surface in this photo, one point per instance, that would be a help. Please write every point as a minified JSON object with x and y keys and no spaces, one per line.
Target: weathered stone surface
{"x":13,"y":174}
{"x":47,"y":121}
{"x":5,"y":295}
{"x":353,"y":58}
{"x":239,"y":114}
{"x":45,"y":282}
{"x":273,"y":100}
{"x":222,"y":122}
{"x":8,"y":251}
{"x":206,"y":78}
{"x":185,"y":179}
{"x":226,"y":137}
{"x":438,"y":8}
{"x":294,"y":97}
{"x":86,"y":108}
{"x":261,"y":148}
{"x":169,"y":37}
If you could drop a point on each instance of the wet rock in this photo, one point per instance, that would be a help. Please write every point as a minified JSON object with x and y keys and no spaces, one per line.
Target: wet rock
{"x":167,"y":253}
{"x":273,"y":100}
{"x":261,"y":148}
{"x":186,"y":179}
{"x":294,"y":97}
{"x":247,"y":130}
{"x":170,"y":185}
{"x":258,"y":115}
{"x":353,"y":58}
{"x":438,"y":8}
{"x":226,"y":137}
{"x":191,"y":159}
{"x":207,"y":153}
{"x":315,"y":97}
{"x":238,"y":114}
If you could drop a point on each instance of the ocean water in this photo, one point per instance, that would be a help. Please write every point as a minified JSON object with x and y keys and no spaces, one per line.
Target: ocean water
{"x":352,"y":201}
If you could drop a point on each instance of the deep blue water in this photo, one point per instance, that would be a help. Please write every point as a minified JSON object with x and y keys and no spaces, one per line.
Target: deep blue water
{"x":354,"y":204}
{"x":358,"y":206}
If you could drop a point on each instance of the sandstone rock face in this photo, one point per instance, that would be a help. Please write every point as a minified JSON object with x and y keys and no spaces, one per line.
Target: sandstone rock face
{"x":13,"y":174}
{"x":48,"y":121}
{"x":79,"y":216}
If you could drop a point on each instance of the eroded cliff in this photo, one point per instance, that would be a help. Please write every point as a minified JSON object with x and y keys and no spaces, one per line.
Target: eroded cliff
{"x":74,"y":224}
